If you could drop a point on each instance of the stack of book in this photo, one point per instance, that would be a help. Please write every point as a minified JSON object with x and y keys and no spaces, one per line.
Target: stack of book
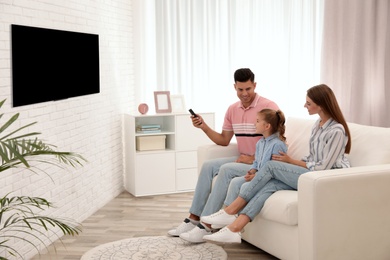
{"x":145,"y":129}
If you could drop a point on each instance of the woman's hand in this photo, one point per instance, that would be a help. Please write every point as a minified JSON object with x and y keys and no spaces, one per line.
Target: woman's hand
{"x":281,"y":157}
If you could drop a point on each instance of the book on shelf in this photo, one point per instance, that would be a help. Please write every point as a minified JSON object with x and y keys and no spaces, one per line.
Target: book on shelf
{"x":148,"y":128}
{"x":148,"y":131}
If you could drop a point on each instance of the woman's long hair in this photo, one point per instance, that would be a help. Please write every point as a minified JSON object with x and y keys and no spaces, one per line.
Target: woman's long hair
{"x":324,"y":97}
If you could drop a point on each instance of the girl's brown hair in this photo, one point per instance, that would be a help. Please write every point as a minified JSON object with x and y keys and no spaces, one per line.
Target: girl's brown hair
{"x":276,"y":119}
{"x":324,"y":97}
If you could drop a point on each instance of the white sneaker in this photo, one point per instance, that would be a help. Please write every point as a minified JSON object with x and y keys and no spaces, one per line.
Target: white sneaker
{"x":224,"y":236}
{"x":217,"y":227}
{"x":195,"y":235}
{"x":184,"y":227}
{"x":219,"y":219}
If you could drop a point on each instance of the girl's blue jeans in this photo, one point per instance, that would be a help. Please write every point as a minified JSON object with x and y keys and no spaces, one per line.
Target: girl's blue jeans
{"x":272,"y":177}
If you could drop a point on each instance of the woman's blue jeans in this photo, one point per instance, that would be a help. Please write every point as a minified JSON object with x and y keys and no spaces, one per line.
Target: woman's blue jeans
{"x":208,"y":200}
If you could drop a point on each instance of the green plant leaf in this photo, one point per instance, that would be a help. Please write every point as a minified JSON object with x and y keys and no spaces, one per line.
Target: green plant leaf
{"x":21,"y":217}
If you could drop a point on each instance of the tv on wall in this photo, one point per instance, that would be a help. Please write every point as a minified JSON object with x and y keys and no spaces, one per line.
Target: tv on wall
{"x":49,"y":64}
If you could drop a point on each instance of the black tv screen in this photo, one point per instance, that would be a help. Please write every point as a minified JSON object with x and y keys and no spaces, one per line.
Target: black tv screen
{"x":50,"y":64}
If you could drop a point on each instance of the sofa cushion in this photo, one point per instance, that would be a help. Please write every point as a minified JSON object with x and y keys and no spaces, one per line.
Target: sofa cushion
{"x":281,"y":207}
{"x":370,"y":145}
{"x":297,"y":136}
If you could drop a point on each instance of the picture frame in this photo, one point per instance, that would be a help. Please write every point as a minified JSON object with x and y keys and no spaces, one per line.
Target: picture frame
{"x":178,"y":104}
{"x":162,"y":101}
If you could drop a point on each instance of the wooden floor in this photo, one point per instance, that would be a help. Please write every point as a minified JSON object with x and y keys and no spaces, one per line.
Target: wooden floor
{"x":127,"y":216}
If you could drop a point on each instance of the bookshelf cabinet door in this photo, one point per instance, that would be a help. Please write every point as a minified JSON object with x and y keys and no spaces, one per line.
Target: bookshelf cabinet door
{"x":155,"y":173}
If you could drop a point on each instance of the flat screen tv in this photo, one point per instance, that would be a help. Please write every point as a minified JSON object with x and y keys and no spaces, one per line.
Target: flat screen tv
{"x":49,"y":65}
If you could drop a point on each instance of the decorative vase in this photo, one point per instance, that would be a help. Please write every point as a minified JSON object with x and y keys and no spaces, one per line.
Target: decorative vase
{"x":143,"y":108}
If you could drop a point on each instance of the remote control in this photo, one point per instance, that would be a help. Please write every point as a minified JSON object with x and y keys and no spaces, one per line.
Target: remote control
{"x":192,"y":113}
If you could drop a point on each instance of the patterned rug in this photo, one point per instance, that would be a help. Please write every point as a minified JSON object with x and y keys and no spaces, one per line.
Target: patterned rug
{"x":160,"y":247}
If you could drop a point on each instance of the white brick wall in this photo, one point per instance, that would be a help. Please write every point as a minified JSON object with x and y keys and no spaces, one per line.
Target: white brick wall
{"x":89,"y":125}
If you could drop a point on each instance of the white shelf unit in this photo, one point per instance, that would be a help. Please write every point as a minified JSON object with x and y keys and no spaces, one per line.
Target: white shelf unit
{"x":171,"y":170}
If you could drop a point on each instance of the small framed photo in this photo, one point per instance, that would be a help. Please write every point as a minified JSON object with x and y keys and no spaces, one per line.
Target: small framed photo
{"x":162,"y":101}
{"x":178,"y":104}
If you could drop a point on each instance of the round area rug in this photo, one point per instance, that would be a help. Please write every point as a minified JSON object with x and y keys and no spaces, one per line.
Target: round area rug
{"x":160,"y":247}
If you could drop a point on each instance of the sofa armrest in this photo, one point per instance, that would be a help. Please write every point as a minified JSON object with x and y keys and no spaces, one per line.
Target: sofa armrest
{"x":213,"y":151}
{"x":345,"y":213}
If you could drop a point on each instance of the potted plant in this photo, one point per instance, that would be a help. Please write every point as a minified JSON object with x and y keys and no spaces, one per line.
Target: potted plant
{"x":21,"y":217}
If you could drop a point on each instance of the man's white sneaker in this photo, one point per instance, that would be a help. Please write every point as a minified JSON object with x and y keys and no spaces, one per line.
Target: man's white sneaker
{"x":195,"y":235}
{"x":184,"y":227}
{"x":219,"y":219}
{"x":224,"y":236}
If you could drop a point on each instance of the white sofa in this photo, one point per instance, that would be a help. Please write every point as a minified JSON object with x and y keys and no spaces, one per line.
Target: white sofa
{"x":335,"y":214}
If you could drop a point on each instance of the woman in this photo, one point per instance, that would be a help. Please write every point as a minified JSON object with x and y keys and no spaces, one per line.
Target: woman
{"x":329,"y":142}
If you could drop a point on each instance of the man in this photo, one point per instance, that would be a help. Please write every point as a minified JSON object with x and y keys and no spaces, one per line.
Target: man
{"x":240,"y":121}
